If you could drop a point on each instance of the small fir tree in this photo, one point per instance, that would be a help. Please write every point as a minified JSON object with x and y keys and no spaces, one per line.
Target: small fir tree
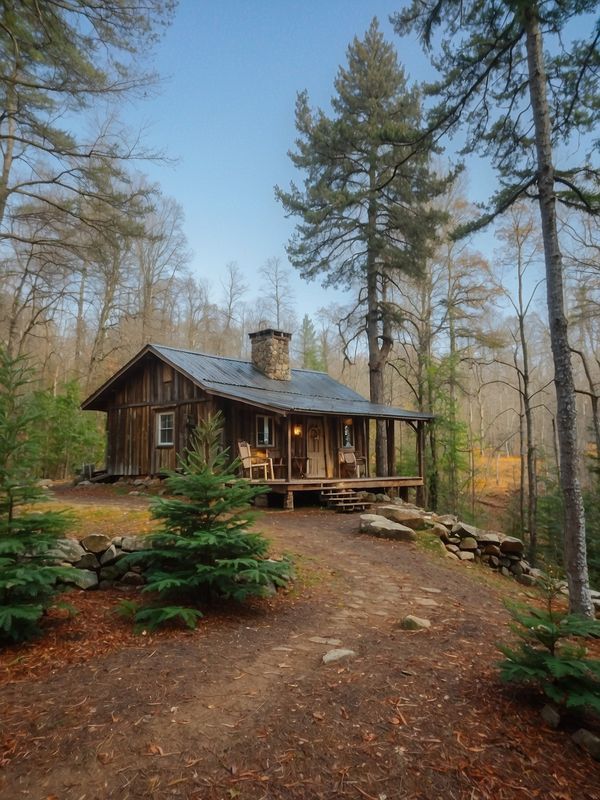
{"x":28,"y":583}
{"x":205,"y":550}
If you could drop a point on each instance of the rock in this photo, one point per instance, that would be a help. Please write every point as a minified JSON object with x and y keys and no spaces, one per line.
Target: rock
{"x":87,"y":561}
{"x":45,"y":483}
{"x":133,"y":579}
{"x":96,"y":542}
{"x":324,"y":640}
{"x":382,"y":498}
{"x":489,"y":537}
{"x":105,"y":585}
{"x":588,"y":741}
{"x":113,"y":572}
{"x":117,"y":541}
{"x":491,"y":550}
{"x":466,"y":555}
{"x":66,"y":550}
{"x":452,"y":548}
{"x":516,"y":569}
{"x":462,"y":529}
{"x":83,"y":579}
{"x":430,"y":590}
{"x":505,"y":572}
{"x":551,"y":716}
{"x":440,"y":530}
{"x":494,"y":562}
{"x":526,"y":580}
{"x":447,"y":520}
{"x":404,"y":516}
{"x":452,"y":556}
{"x":468,"y":543}
{"x":412,"y":623}
{"x":332,"y":656}
{"x":426,"y":601}
{"x":140,"y":482}
{"x":511,"y":545}
{"x":110,"y":555}
{"x":132,"y":544}
{"x":505,"y":562}
{"x":83,"y":484}
{"x":386,"y":529}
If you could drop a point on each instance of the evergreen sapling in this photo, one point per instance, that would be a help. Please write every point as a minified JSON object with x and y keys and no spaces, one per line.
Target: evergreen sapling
{"x":205,"y":550}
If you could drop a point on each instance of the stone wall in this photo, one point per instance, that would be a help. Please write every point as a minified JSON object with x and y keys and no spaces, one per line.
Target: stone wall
{"x":271,"y":353}
{"x":99,"y":562}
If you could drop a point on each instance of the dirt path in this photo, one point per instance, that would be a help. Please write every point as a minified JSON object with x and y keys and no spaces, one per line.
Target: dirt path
{"x":246,"y":709}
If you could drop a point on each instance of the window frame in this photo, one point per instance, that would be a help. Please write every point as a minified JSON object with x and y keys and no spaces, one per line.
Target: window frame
{"x":269,"y":425}
{"x":160,"y":415}
{"x":348,"y":423}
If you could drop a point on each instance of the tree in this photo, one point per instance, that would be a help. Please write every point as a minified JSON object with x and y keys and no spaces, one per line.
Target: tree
{"x":60,"y":59}
{"x":27,"y":580}
{"x":309,"y":348}
{"x":205,"y":550}
{"x":495,"y":82}
{"x":365,"y":221}
{"x":277,"y":302}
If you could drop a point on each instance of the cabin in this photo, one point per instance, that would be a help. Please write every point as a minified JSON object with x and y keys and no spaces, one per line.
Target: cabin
{"x":296,"y":430}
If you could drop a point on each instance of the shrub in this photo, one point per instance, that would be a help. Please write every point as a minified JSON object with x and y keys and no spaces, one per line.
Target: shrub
{"x":205,"y":549}
{"x":550,"y":655}
{"x":27,"y":580}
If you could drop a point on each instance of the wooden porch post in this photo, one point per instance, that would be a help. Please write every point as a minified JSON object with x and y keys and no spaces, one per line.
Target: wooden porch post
{"x":421,"y":460}
{"x":391,"y":447}
{"x":288,"y":499}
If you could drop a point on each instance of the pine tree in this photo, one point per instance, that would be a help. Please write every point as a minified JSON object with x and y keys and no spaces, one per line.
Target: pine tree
{"x":521,"y":87}
{"x":205,"y":549}
{"x":365,"y":211}
{"x":28,"y":582}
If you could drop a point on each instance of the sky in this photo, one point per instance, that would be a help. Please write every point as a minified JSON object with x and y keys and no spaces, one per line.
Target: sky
{"x":224,"y":113}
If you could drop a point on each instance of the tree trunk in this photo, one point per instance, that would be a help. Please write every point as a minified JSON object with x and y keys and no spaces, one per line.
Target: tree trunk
{"x":574,"y":539}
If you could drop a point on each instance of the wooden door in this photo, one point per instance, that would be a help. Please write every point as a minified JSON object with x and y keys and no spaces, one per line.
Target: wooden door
{"x":315,"y":448}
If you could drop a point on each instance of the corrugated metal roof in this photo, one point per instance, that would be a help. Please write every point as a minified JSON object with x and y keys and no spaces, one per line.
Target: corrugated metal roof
{"x":306,"y":391}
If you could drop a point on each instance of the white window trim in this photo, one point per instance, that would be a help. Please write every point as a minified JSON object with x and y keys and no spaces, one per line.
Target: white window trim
{"x":272,"y":425}
{"x":159,"y":428}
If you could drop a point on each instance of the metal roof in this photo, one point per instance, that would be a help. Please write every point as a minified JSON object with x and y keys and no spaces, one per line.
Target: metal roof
{"x":306,"y":391}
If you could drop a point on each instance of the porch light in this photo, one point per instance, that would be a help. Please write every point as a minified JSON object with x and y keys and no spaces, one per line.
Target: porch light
{"x":297,"y":430}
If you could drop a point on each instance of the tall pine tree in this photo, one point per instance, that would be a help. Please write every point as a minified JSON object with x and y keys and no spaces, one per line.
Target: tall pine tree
{"x":514,"y":79}
{"x":365,"y":212}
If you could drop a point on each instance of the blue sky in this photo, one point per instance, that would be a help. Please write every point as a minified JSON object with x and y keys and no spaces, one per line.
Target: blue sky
{"x":225,"y":113}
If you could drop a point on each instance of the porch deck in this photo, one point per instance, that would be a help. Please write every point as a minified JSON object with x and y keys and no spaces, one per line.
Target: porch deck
{"x":395,"y":483}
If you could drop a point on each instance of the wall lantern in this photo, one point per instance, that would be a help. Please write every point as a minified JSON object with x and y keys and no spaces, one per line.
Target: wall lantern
{"x":297,"y":430}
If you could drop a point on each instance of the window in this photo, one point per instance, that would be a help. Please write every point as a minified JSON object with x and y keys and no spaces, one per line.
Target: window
{"x":347,"y":433}
{"x":265,"y":431}
{"x":166,"y":429}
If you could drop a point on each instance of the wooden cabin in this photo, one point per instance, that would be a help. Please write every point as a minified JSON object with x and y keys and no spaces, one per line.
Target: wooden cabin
{"x":312,"y":431}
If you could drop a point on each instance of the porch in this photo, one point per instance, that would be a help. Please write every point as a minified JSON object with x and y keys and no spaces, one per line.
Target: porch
{"x":389,"y":485}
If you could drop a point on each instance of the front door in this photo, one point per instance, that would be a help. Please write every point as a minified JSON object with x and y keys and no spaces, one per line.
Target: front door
{"x":315,"y":448}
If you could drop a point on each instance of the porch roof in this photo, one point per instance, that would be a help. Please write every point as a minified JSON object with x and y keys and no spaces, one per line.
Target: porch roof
{"x":308,"y":391}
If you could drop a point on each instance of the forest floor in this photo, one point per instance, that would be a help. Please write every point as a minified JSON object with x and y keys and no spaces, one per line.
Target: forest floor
{"x":244,"y":708}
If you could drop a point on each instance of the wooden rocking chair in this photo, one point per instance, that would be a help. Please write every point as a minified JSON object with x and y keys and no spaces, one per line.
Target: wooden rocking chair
{"x":250,"y":462}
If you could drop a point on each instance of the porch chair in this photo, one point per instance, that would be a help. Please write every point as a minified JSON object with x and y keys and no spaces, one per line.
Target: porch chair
{"x":348,"y":463}
{"x":250,"y":462}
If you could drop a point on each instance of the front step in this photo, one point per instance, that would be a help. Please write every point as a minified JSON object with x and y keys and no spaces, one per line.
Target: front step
{"x":343,"y":501}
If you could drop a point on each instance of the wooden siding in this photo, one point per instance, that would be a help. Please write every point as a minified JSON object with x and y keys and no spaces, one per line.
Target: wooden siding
{"x":151,"y":388}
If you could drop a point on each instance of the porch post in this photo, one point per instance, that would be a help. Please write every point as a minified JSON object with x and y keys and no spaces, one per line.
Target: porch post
{"x":288,"y":434}
{"x":391,"y":447}
{"x":421,"y":460}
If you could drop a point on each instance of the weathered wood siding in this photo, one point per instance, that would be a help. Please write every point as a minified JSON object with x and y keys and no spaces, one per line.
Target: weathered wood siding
{"x":132,"y":436}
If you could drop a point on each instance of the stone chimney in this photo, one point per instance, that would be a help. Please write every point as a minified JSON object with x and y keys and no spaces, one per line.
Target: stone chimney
{"x":271,"y":353}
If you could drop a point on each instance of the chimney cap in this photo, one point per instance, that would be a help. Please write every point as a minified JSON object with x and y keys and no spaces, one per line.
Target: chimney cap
{"x":270,"y":332}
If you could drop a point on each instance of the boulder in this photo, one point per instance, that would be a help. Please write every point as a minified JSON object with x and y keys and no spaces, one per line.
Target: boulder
{"x":452,"y":548}
{"x":66,"y":550}
{"x":132,"y":579}
{"x":96,"y":542}
{"x":332,"y":656}
{"x":505,"y":572}
{"x":491,"y":550}
{"x":466,"y":555}
{"x":114,"y":571}
{"x":494,"y":562}
{"x":526,"y":580}
{"x":588,"y":741}
{"x":405,"y":516}
{"x":489,"y":538}
{"x":439,"y":530}
{"x":83,"y":579}
{"x":463,"y":530}
{"x":551,"y":716}
{"x":468,"y":543}
{"x":386,"y":529}
{"x":452,"y":556}
{"x":110,"y":555}
{"x":516,"y":568}
{"x":447,"y":520}
{"x":511,"y":545}
{"x":412,"y":623}
{"x":131,"y":544}
{"x":87,"y":561}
